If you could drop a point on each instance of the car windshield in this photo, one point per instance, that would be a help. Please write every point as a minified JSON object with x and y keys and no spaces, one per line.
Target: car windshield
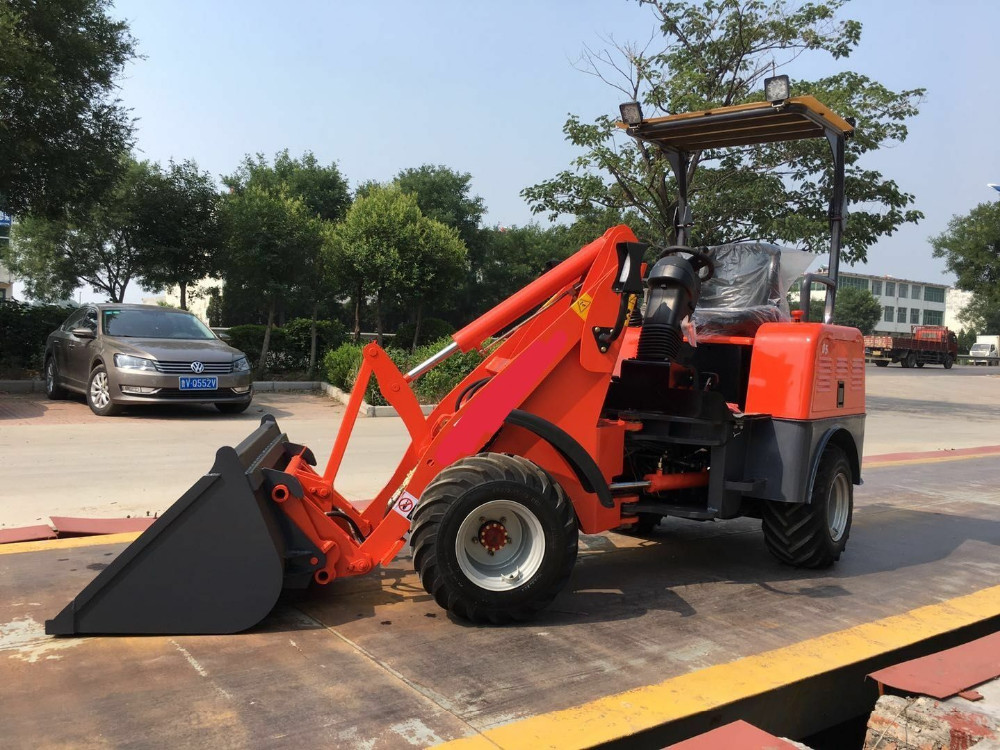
{"x":154,"y":324}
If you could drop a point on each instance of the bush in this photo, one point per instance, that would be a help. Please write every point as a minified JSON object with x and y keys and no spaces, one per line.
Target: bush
{"x":298,"y":338}
{"x":343,"y":364}
{"x":431,"y":329}
{"x":23,"y":331}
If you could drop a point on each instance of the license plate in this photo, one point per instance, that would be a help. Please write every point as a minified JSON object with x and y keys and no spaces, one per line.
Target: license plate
{"x":199,"y":384}
{"x":876,"y":352}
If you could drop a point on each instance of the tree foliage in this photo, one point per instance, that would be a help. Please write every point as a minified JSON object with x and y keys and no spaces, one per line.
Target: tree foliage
{"x":185,"y":234}
{"x":386,"y":247}
{"x":104,"y":247}
{"x":323,"y":189}
{"x":857,"y":308}
{"x":717,"y":53}
{"x":270,"y":238}
{"x":62,"y":131}
{"x":971,"y":249}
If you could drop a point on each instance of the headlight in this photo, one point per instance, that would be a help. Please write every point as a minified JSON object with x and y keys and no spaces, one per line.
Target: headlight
{"x":241,"y":365}
{"x":128,"y":362}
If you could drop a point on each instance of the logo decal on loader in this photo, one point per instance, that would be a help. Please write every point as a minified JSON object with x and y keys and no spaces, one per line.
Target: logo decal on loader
{"x":405,"y":505}
{"x":582,"y":304}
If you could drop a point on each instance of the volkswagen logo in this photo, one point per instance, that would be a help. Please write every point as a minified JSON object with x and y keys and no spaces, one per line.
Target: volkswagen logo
{"x":197,"y":367}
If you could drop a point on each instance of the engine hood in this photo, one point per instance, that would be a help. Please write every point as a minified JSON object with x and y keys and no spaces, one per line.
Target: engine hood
{"x":168,"y":350}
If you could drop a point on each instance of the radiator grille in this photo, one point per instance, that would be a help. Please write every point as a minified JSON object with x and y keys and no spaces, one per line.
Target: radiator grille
{"x":184,"y":368}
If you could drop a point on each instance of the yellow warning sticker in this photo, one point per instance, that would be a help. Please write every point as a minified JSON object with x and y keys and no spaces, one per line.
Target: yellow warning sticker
{"x":582,"y":304}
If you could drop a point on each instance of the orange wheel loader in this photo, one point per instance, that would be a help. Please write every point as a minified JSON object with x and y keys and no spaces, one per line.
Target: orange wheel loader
{"x":626,"y":384}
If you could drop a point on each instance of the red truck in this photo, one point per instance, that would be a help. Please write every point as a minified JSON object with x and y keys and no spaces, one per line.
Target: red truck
{"x":934,"y":345}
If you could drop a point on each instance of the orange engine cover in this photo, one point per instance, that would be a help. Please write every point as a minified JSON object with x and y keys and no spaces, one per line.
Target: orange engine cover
{"x":806,"y":371}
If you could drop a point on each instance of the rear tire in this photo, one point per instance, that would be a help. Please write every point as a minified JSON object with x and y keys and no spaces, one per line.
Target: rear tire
{"x":233,"y":408}
{"x":920,"y":364}
{"x":814,"y":535}
{"x":485,"y":500}
{"x":53,"y":390}
{"x":99,"y":394}
{"x":881,"y":363}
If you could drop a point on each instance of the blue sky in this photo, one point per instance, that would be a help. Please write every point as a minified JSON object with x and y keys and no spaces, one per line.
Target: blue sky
{"x":485,"y":87}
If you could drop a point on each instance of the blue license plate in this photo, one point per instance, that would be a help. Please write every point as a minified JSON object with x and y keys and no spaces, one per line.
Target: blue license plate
{"x":199,"y":384}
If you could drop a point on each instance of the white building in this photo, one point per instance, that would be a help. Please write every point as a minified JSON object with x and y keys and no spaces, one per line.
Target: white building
{"x":905,"y":303}
{"x":198,"y":297}
{"x":6,"y":284}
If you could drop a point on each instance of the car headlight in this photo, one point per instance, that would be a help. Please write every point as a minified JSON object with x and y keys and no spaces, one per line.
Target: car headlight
{"x":241,"y":365}
{"x":128,"y":362}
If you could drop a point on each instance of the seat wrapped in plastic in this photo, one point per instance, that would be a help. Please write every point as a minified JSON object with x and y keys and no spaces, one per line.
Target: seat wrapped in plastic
{"x":748,"y":289}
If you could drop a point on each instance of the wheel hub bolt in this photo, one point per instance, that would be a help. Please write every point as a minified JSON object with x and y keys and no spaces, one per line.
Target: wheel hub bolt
{"x":493,"y":536}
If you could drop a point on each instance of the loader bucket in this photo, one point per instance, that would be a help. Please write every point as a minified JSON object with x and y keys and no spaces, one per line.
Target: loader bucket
{"x":213,"y":563}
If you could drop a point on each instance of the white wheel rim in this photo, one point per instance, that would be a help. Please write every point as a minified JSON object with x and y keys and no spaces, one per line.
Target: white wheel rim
{"x":99,"y":393}
{"x":838,"y":506}
{"x":515,"y":561}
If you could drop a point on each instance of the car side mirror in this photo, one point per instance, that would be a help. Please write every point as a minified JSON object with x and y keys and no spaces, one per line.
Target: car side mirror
{"x":83,"y":333}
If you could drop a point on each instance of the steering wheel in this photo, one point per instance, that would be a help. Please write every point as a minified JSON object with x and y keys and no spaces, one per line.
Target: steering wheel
{"x":701,"y":263}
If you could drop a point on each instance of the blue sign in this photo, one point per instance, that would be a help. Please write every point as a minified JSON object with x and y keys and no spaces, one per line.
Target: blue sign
{"x":4,"y":219}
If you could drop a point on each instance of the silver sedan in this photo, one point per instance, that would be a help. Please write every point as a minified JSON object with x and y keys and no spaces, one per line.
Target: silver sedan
{"x":119,"y":355}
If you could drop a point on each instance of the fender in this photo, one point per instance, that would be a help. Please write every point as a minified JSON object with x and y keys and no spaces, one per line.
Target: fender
{"x":580,"y":461}
{"x":839,"y":436}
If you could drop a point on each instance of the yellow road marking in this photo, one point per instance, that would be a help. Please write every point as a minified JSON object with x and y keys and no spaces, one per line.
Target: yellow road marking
{"x":929,"y":459}
{"x":616,"y":716}
{"x":70,"y":543}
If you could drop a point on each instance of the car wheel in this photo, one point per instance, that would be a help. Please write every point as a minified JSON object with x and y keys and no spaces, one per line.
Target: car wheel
{"x":53,"y":390}
{"x":948,"y":362}
{"x":229,"y":407}
{"x":99,"y":394}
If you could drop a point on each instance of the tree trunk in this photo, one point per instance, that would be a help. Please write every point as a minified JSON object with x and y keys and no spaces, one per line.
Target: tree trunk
{"x":312,"y":342}
{"x":357,"y":314}
{"x":267,"y":341}
{"x":184,"y":296}
{"x":378,"y":317}
{"x":416,"y":326}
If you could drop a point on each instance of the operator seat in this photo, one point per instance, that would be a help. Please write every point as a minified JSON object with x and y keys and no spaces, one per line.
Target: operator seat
{"x":744,"y":293}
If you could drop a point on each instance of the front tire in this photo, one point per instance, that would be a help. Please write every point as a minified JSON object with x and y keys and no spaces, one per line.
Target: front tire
{"x":948,"y":362}
{"x":494,"y":538}
{"x":53,"y":390}
{"x":99,"y":394}
{"x":814,"y":535}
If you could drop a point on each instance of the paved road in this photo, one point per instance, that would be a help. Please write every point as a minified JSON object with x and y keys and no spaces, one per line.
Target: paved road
{"x":373,"y":662}
{"x":59,"y":459}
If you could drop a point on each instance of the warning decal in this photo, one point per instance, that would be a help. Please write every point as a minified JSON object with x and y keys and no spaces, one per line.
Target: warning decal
{"x":405,"y":505}
{"x":582,"y":304}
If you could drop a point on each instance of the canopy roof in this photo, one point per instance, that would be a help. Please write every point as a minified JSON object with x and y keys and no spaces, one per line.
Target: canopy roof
{"x":741,"y":125}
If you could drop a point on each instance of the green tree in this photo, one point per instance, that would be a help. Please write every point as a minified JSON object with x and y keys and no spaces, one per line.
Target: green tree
{"x":182,"y":214}
{"x":971,"y":249}
{"x":515,"y":256}
{"x":432,"y":264}
{"x":445,"y":195}
{"x":717,"y":53}
{"x":857,"y":308}
{"x":105,"y":247}
{"x":382,"y":227}
{"x":270,"y":237}
{"x":324,"y":192}
{"x":62,"y":131}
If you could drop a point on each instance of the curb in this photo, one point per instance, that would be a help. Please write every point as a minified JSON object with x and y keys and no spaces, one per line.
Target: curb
{"x":331,"y":391}
{"x":22,"y":386}
{"x":262,"y":386}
